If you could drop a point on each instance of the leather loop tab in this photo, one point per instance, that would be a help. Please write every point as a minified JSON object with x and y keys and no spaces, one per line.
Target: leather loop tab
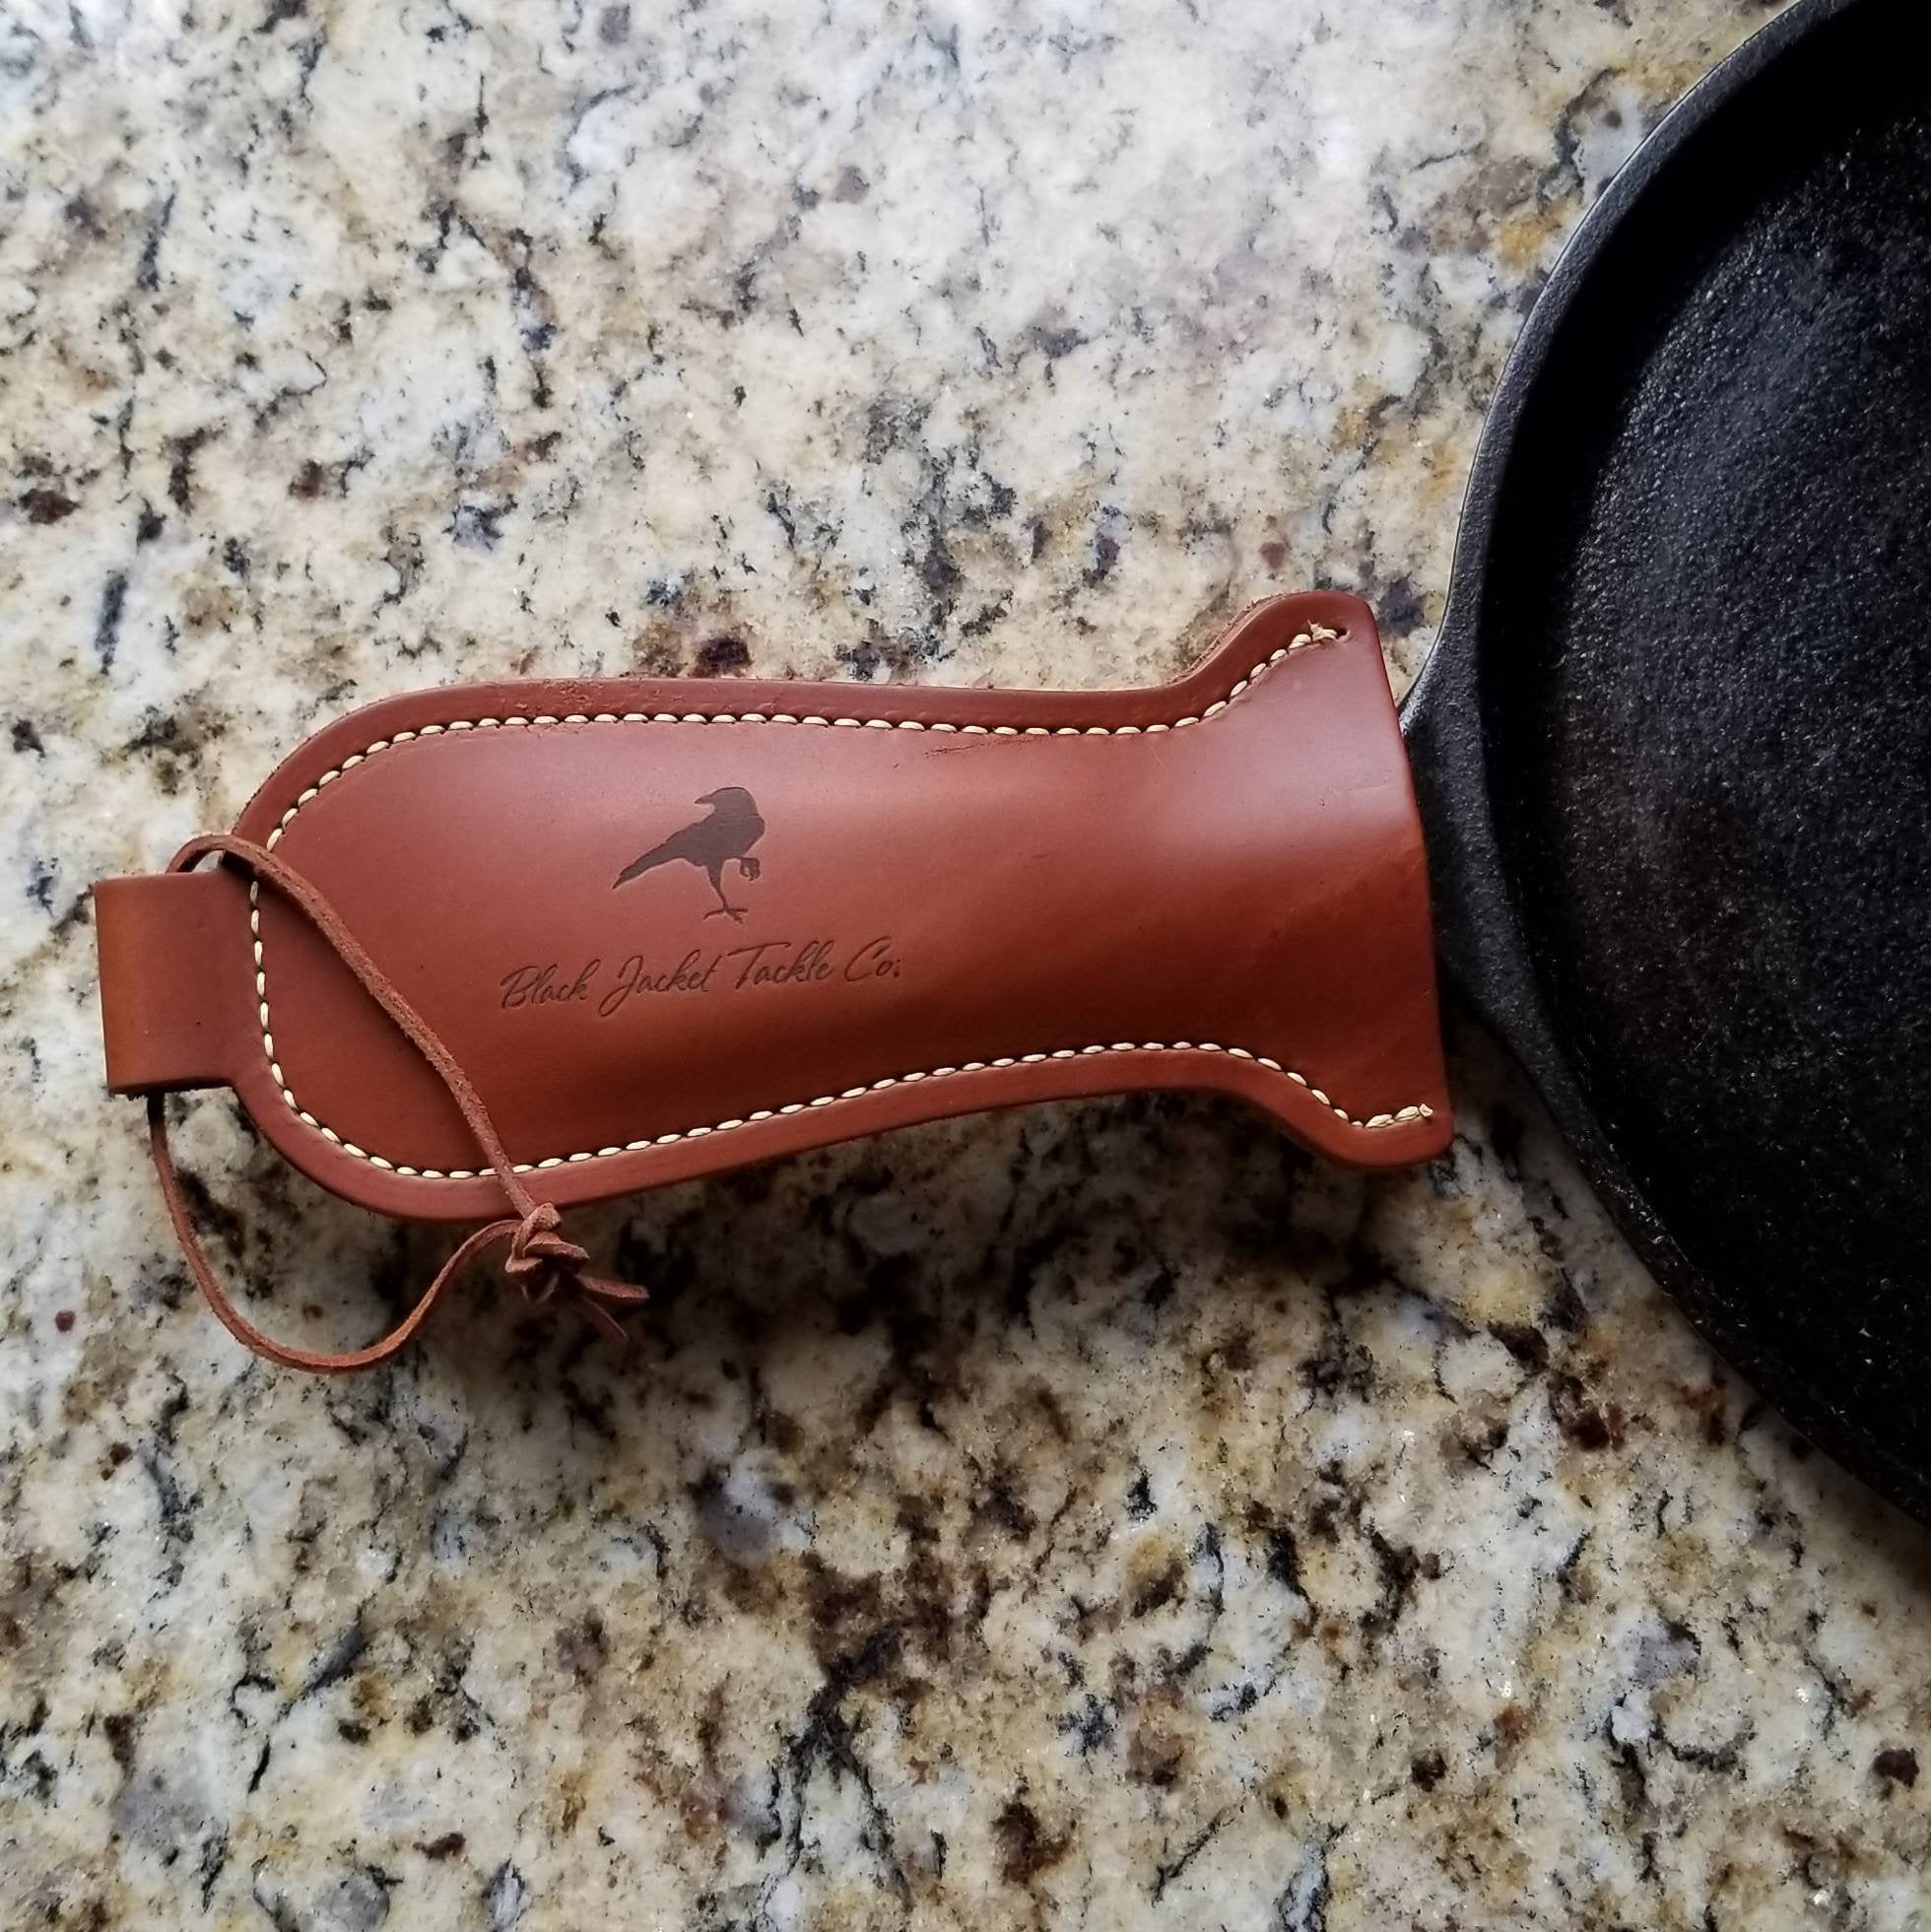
{"x":173,"y":951}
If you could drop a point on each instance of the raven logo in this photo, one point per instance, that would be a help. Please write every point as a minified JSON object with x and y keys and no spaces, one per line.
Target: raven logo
{"x":724,"y":838}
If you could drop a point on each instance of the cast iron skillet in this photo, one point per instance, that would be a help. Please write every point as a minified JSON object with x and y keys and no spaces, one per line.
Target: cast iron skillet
{"x":1674,"y":745}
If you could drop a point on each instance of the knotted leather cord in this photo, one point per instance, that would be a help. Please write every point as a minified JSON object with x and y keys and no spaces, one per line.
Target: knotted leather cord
{"x":540,"y":1259}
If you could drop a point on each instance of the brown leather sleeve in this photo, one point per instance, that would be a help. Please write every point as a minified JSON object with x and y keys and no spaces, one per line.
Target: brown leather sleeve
{"x":669,"y":927}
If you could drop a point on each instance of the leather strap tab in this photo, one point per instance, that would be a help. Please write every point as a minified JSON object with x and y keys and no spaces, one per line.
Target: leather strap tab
{"x":174,"y":950}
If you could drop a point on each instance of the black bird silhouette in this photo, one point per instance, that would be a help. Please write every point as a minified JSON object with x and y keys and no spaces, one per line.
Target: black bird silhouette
{"x":712,"y":843}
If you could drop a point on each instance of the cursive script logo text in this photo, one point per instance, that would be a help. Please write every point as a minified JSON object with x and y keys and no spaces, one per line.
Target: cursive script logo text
{"x":766,"y":966}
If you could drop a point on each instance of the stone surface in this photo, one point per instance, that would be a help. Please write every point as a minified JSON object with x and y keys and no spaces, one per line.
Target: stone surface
{"x":1096,"y":1515}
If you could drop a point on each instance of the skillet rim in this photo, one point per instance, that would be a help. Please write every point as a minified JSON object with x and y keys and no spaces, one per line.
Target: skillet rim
{"x":1478,"y":934}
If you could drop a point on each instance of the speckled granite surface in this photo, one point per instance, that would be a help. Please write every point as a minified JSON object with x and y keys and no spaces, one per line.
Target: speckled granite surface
{"x":1091,"y":1516}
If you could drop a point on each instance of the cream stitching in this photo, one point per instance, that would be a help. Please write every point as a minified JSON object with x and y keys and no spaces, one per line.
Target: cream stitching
{"x":1315,"y":634}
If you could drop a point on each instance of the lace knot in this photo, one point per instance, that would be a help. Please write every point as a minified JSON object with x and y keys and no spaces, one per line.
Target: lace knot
{"x":540,"y":1260}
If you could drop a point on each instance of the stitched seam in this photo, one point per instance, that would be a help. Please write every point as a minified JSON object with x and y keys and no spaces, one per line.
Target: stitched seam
{"x":1314,"y":634}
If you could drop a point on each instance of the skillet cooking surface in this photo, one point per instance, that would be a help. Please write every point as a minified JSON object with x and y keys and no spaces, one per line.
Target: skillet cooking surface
{"x":1705,"y":697}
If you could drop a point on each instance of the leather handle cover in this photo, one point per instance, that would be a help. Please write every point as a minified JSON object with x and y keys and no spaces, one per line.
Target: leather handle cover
{"x":668,"y":927}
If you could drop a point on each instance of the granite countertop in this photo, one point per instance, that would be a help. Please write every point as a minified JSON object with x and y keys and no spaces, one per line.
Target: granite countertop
{"x":1089,"y":1516}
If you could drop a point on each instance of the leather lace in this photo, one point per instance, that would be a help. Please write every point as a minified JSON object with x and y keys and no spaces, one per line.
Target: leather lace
{"x":541,"y":1261}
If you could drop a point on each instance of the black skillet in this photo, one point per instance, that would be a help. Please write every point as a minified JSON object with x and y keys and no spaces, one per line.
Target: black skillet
{"x":1673,"y":744}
